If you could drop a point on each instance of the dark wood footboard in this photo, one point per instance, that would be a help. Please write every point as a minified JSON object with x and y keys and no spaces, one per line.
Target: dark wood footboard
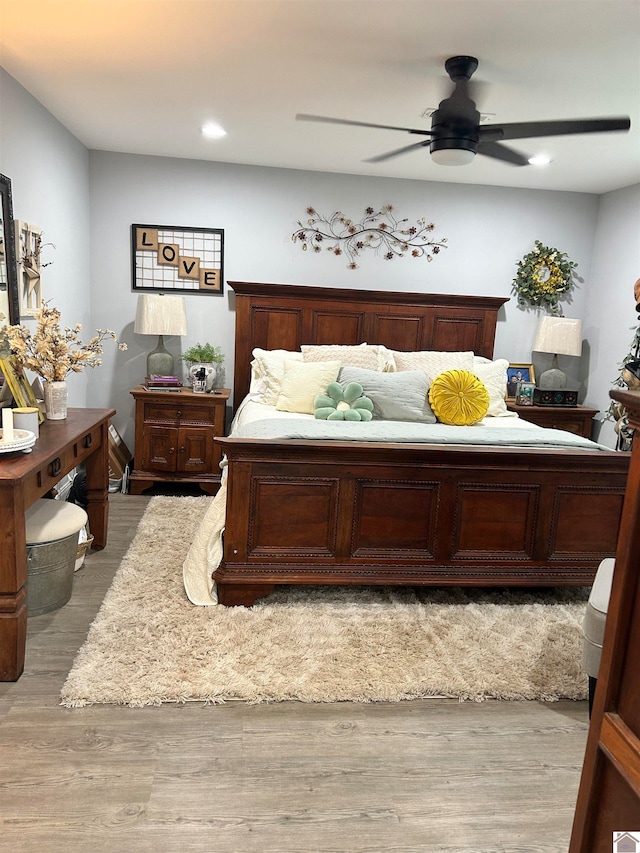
{"x":300,"y":512}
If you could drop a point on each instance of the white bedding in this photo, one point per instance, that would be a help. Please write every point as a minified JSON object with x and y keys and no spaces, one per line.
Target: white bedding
{"x":250,"y":411}
{"x":254,"y":419}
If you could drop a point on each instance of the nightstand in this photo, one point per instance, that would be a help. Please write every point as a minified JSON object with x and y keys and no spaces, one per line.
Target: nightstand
{"x":576,"y":419}
{"x":174,"y":442}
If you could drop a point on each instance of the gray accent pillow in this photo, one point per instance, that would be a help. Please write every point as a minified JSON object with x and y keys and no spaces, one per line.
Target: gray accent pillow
{"x":395,"y":396}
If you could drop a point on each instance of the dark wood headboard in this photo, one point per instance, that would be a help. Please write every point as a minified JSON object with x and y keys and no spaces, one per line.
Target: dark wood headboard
{"x":285,"y":316}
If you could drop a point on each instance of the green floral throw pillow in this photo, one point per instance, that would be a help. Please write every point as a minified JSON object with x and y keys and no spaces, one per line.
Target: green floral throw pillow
{"x":343,"y":404}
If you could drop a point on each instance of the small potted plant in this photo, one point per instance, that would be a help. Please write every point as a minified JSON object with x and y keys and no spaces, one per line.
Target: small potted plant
{"x":203,"y":355}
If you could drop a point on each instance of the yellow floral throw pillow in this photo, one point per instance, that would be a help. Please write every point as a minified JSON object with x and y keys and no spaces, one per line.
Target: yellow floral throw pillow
{"x":458,"y":398}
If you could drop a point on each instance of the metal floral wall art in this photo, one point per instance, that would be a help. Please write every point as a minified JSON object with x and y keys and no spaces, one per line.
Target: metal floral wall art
{"x":378,"y":230}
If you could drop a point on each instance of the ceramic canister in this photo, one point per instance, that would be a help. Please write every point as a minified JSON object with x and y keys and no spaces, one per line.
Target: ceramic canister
{"x":26,"y":418}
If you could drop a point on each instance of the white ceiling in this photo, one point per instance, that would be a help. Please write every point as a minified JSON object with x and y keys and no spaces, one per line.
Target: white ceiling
{"x":142,"y":76}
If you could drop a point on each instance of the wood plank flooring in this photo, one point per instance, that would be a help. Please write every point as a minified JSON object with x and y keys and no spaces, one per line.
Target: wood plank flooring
{"x":433,"y":775}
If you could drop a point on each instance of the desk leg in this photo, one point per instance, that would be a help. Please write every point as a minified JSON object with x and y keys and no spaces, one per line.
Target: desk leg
{"x":13,"y":577}
{"x":13,"y":635}
{"x":97,"y":470}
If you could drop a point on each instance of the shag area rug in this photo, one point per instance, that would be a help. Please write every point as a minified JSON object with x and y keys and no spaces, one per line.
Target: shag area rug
{"x":149,"y":644}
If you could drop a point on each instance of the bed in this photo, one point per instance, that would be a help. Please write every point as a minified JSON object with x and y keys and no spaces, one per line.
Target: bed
{"x":303,"y":510}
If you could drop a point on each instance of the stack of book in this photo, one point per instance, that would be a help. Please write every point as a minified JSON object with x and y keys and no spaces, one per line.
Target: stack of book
{"x":162,"y":383}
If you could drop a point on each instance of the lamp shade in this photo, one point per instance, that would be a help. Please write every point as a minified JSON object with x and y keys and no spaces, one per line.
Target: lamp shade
{"x":160,"y":315}
{"x":559,"y":335}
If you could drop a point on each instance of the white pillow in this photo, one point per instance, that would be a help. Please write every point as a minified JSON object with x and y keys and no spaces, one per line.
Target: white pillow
{"x":385,"y":360}
{"x":302,"y":383}
{"x":493,"y":374}
{"x":433,"y":362}
{"x":267,"y":371}
{"x":362,"y":355}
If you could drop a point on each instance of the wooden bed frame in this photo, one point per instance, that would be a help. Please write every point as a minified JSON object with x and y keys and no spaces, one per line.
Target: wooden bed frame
{"x":303,"y":512}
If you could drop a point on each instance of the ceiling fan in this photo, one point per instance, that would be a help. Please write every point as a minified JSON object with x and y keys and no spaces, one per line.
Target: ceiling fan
{"x":456,"y":135}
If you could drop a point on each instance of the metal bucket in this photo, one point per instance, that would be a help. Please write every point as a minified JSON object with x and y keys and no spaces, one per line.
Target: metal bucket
{"x":50,"y":567}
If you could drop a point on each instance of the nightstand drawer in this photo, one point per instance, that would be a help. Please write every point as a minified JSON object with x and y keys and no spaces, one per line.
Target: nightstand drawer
{"x":575,"y":419}
{"x":177,"y":411}
{"x":575,"y":426}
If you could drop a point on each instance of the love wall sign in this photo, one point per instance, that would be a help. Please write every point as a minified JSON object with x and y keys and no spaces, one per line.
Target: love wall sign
{"x":171,"y":258}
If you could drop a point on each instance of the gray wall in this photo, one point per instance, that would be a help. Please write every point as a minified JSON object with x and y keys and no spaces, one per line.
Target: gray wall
{"x":611,"y":316}
{"x":488,"y":230}
{"x":86,"y":203}
{"x":49,"y":171}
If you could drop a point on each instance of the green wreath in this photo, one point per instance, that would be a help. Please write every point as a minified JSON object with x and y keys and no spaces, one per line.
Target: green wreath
{"x":543,"y":276}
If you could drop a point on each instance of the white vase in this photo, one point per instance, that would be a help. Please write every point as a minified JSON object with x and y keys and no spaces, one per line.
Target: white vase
{"x":55,"y":400}
{"x":210,"y":369}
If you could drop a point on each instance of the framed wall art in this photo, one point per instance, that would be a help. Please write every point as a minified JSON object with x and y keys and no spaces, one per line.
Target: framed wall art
{"x":176,"y":259}
{"x":29,"y":255}
{"x":28,"y":392}
{"x":518,"y":373}
{"x":16,"y":385}
{"x":14,"y":378}
{"x":9,"y":298}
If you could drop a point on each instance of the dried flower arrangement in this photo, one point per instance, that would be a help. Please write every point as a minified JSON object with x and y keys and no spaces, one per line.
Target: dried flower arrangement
{"x":376,"y":230}
{"x":53,"y":352}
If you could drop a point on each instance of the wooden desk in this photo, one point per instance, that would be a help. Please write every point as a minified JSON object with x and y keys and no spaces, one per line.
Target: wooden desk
{"x":25,"y":477}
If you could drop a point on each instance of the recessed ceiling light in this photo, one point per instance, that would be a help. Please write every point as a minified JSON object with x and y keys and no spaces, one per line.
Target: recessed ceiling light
{"x":540,"y":160}
{"x":213,"y":131}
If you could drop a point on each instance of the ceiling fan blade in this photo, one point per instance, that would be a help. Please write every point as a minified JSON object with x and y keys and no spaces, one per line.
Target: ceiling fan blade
{"x":382,"y":157}
{"x":327,"y":120}
{"x":530,"y":129}
{"x":501,"y":152}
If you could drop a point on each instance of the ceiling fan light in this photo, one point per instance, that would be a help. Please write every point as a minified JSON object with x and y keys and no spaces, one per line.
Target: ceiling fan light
{"x":452,"y":156}
{"x":539,"y":160}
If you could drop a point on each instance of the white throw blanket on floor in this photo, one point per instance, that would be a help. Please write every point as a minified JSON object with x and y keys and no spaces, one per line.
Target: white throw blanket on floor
{"x":206,"y":551}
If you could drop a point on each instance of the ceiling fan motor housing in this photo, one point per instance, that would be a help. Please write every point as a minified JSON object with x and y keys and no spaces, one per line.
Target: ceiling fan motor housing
{"x":454,"y":125}
{"x":448,"y":134}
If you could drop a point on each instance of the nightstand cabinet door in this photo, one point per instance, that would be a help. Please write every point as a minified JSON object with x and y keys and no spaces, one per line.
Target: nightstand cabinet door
{"x":159,"y":449}
{"x":195,"y":450}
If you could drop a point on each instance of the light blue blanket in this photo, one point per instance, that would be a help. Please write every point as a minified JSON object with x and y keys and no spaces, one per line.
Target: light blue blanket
{"x":413,"y":433}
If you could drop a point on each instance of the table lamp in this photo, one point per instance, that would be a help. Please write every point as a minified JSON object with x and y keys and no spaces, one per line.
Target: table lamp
{"x":560,"y":336}
{"x":157,"y":314}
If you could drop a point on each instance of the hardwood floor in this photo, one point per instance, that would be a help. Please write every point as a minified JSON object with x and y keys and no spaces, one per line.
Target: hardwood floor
{"x":434,"y":775}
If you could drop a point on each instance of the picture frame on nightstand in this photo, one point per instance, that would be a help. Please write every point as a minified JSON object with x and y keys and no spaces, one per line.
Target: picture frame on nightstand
{"x":524,"y":393}
{"x":518,"y":373}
